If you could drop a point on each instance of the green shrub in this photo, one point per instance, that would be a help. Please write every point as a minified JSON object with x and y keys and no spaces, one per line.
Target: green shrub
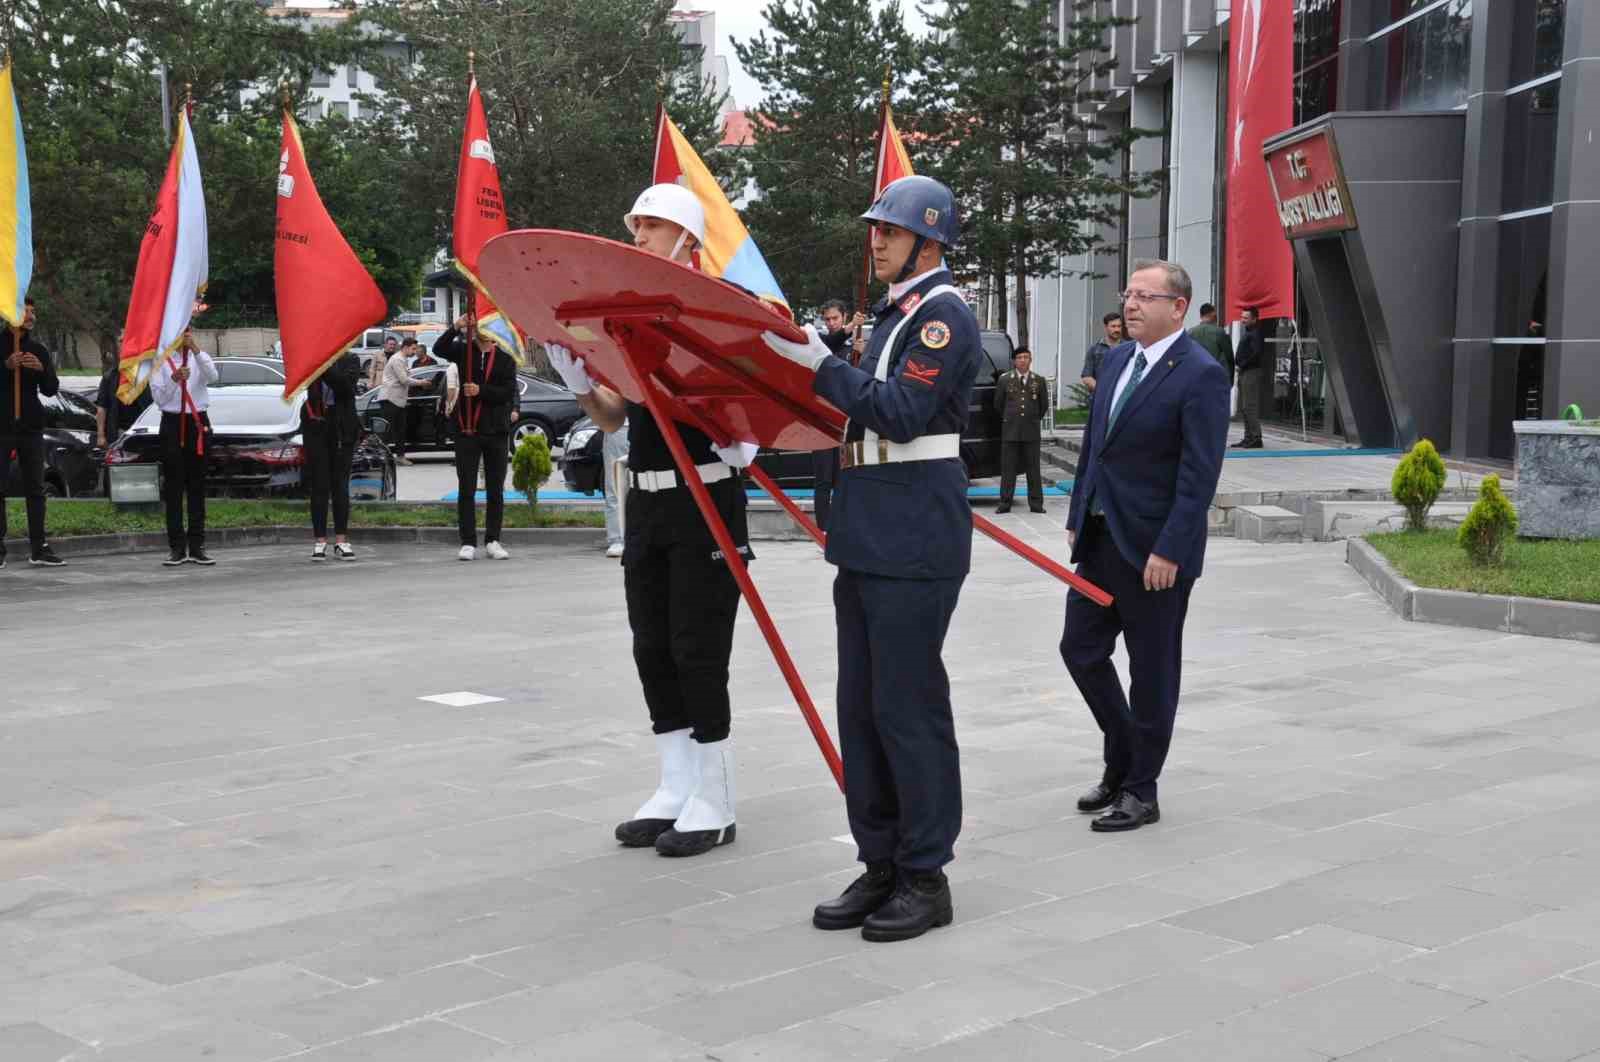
{"x":1489,"y":526}
{"x":1417,"y":482}
{"x":1080,"y":395}
{"x":530,"y":465}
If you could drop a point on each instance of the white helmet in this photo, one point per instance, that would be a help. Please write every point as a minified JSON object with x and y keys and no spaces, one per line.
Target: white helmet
{"x":669,"y":202}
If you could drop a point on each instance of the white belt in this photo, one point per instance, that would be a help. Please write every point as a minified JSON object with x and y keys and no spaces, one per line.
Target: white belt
{"x":667,"y":479}
{"x":884,"y":452}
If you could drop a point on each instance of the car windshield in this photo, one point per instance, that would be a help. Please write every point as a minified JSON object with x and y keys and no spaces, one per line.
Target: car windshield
{"x":249,"y":405}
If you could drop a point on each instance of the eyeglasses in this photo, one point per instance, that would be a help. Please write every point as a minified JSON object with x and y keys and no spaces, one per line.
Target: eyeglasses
{"x":1145,"y":296}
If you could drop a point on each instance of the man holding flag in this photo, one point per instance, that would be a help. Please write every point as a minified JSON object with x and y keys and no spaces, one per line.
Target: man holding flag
{"x":28,"y":373}
{"x":181,"y":388}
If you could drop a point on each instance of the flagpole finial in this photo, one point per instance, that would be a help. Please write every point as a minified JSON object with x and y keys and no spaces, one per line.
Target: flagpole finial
{"x":472,"y":64}
{"x":887,"y":83}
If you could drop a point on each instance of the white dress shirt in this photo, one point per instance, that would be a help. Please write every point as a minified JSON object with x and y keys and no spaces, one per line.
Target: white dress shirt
{"x":898,"y":291}
{"x":168,"y":392}
{"x":1152,"y":354}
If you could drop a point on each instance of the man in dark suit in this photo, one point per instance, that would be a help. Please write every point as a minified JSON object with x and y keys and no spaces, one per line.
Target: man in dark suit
{"x":1021,"y":398}
{"x":1151,"y":459}
{"x":330,"y":427}
{"x":1250,"y":360}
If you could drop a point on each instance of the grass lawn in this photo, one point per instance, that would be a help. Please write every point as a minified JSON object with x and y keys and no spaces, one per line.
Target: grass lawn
{"x":1076,"y":417}
{"x":97,"y":517}
{"x":1561,"y":571}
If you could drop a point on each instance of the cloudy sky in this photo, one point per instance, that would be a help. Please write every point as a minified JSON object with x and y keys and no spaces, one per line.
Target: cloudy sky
{"x":743,"y":19}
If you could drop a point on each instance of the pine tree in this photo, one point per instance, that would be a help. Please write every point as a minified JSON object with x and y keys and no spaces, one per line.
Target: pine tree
{"x":1004,"y":104}
{"x":821,"y":68}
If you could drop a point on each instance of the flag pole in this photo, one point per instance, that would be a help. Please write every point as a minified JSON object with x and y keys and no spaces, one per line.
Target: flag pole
{"x":866,"y":258}
{"x":6,"y":49}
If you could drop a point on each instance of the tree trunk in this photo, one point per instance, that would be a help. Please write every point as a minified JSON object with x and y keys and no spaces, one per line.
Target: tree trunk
{"x":1023,"y":339}
{"x":999,"y":303}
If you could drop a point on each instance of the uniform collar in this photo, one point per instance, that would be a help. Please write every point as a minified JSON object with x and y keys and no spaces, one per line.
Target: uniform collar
{"x":905,"y":287}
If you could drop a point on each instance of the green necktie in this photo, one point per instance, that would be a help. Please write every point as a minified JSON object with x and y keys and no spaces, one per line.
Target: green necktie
{"x":1127,"y":392}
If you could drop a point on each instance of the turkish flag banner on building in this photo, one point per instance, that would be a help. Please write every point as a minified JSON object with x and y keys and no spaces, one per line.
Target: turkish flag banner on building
{"x":1259,"y":261}
{"x":326,"y":298}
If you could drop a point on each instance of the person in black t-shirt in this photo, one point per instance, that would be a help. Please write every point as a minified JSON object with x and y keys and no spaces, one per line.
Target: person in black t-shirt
{"x":682,"y":599}
{"x":115,"y":416}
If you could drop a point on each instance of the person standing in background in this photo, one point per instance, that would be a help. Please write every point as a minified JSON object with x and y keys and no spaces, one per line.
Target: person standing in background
{"x":330,"y":427}
{"x":181,"y":387}
{"x":1112,"y":323}
{"x":396,"y":382}
{"x":842,"y":338}
{"x":1021,"y":398}
{"x":613,"y":448}
{"x":1251,"y":363}
{"x":1214,"y":338}
{"x":26,"y":372}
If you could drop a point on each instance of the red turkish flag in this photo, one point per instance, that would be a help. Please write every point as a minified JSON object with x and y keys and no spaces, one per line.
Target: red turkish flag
{"x":480,"y":214}
{"x":1260,"y":262}
{"x":326,"y":297}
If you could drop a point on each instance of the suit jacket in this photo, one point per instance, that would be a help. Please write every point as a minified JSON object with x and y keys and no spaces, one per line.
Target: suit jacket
{"x":317,"y":416}
{"x":1020,"y":403}
{"x":1155,"y":471}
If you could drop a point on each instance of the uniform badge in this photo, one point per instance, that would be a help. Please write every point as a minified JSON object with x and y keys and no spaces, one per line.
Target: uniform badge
{"x":911,"y":302}
{"x":924,"y":373}
{"x":930,"y":217}
{"x":935,"y":335}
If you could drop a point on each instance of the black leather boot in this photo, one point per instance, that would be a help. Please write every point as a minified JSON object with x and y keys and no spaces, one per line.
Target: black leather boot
{"x":865,"y":895}
{"x":642,"y":833}
{"x":921,"y":902}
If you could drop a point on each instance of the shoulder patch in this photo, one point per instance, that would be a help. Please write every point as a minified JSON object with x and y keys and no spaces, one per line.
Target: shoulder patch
{"x":935,"y":335}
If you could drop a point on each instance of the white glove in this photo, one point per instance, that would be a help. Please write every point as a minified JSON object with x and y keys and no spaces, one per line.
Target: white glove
{"x":809,"y":355}
{"x":739,"y":455}
{"x":570,"y":368}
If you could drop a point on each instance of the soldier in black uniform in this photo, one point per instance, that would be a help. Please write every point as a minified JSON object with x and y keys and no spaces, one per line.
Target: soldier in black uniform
{"x":28,"y":364}
{"x":1021,"y":398}
{"x":682,"y":600}
{"x":902,"y":540}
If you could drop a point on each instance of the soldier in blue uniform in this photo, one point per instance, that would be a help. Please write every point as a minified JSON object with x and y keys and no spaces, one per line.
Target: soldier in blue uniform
{"x":901,"y":536}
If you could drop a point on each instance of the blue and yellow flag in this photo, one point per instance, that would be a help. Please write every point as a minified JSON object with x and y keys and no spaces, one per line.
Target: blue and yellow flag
{"x":16,"y":212}
{"x":729,"y":251}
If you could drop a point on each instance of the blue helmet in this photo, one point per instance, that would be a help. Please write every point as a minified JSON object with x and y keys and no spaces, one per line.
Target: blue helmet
{"x":921,"y":205}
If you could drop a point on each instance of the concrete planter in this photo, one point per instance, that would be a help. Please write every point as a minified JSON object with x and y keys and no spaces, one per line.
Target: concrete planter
{"x":1558,"y":479}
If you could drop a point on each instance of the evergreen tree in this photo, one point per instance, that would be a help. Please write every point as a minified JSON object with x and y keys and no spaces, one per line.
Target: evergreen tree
{"x":570,"y":87}
{"x":821,"y":68}
{"x":1004,"y":103}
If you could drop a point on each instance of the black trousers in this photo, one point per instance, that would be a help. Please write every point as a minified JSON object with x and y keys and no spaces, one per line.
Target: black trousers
{"x":1137,"y":734}
{"x":183,"y":479}
{"x":29,"y":447}
{"x":824,"y":470}
{"x":396,"y":416}
{"x":902,"y":769}
{"x":494,"y":452}
{"x":682,"y":604}
{"x":1026,"y":455}
{"x":1250,"y":403}
{"x":328,"y":479}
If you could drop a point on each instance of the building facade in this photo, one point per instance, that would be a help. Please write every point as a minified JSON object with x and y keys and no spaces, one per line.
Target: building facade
{"x":1449,"y":300}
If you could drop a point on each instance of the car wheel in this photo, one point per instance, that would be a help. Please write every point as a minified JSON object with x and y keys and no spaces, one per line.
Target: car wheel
{"x":526,"y":428}
{"x":53,"y":488}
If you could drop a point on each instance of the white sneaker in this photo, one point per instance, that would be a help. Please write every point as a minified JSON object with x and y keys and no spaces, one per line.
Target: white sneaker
{"x":467,"y":553}
{"x":614,"y":550}
{"x":495,"y":551}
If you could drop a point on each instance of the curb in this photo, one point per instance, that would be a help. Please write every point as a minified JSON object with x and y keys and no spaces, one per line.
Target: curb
{"x":296,"y":534}
{"x":1537,"y":617}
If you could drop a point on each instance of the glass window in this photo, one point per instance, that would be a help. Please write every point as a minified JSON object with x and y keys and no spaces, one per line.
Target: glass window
{"x":430,"y":305}
{"x":352,"y":75}
{"x":1538,"y":39}
{"x":321,"y":78}
{"x":1524,"y":272}
{"x":1316,"y":91}
{"x":1423,"y":65}
{"x":1316,"y":32}
{"x":1531,"y":148}
{"x":340,"y":108}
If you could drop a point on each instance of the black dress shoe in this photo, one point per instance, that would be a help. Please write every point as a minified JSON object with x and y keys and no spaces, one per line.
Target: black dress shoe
{"x":175,"y":557}
{"x":1129,"y":813}
{"x":642,"y":833}
{"x":198,"y":555}
{"x":1036,"y":508}
{"x":921,"y":902}
{"x":1099,"y":798}
{"x":864,"y":896}
{"x":1003,"y":507}
{"x":694,"y":842}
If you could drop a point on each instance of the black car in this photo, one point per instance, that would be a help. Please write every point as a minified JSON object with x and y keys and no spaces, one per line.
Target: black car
{"x":545,"y":408}
{"x":255,"y":450}
{"x":582,"y":463}
{"x":71,"y":459}
{"x":980,"y":442}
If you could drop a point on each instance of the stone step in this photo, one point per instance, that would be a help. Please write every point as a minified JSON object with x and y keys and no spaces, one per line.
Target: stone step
{"x":1267,"y":523}
{"x":1332,"y":520}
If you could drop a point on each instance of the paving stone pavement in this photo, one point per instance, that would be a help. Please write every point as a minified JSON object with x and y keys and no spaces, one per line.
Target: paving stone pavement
{"x":230,"y":830}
